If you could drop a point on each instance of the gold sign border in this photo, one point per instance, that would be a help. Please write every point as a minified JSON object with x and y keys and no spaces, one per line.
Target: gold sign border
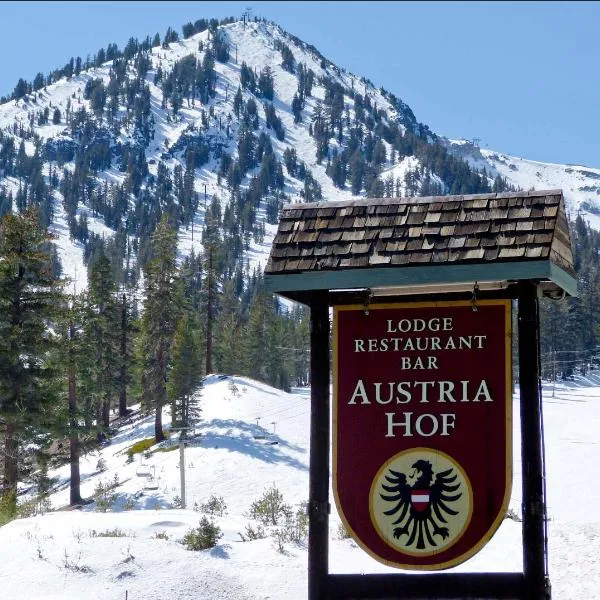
{"x":508,"y":458}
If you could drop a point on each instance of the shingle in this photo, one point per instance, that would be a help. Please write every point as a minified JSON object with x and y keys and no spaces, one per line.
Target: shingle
{"x":519,"y":213}
{"x":330,"y":236}
{"x":360,"y":248}
{"x":414,"y":244}
{"x":439,"y":256}
{"x":428,"y":243}
{"x":353,"y":235}
{"x":523,"y":239}
{"x":431,"y":231}
{"x":421,"y":257}
{"x":511,"y":252}
{"x":543,"y":238}
{"x":390,"y":232}
{"x":414,"y":219}
{"x":285,"y":226}
{"x":401,"y":258}
{"x":306,"y":265}
{"x":341,"y":249}
{"x":379,"y":259}
{"x":322,"y":224}
{"x":499,"y":203}
{"x":491,"y":254}
{"x":506,"y":240}
{"x":473,"y":254}
{"x":331,"y":262}
{"x":306,"y":236}
{"x":457,"y":242}
{"x":355,"y":261}
{"x":432,"y":217}
{"x":524,"y":225}
{"x":534,"y":252}
{"x":325,"y":212}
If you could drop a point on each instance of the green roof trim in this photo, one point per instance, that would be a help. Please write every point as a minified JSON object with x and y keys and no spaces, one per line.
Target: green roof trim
{"x":542,"y":270}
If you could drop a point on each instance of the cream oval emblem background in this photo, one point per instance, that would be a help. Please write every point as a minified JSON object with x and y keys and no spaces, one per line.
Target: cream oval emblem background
{"x":421,"y":501}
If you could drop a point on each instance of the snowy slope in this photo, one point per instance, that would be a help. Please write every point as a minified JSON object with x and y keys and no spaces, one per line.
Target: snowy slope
{"x":253,"y":43}
{"x":580,"y":184}
{"x":60,"y":555}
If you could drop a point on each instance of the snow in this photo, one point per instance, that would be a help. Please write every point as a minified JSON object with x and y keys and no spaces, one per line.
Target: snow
{"x":580,"y":184}
{"x":62,"y":554}
{"x":254,"y":43}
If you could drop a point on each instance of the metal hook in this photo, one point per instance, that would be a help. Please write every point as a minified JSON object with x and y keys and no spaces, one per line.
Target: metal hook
{"x":474,"y":298}
{"x":368,"y":298}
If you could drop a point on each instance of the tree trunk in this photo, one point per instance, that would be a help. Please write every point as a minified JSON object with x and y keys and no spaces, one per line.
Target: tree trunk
{"x":75,"y":482}
{"x":11,"y":450}
{"x":209,"y":314}
{"x":160,"y":396}
{"x":106,"y":413}
{"x":158,"y":430}
{"x":123,"y":374}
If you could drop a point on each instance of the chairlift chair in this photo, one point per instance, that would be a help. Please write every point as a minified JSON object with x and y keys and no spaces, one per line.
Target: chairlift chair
{"x":152,"y":480}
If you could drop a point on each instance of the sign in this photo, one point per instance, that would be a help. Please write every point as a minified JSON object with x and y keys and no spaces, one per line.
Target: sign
{"x":422,"y":419}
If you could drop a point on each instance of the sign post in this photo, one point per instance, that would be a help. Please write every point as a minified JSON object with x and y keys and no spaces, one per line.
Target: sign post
{"x":422,"y":420}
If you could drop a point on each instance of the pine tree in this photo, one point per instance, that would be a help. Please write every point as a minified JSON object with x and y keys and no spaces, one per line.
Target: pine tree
{"x":212,"y":246}
{"x":77,"y":360}
{"x":227,"y":348}
{"x":185,"y":375}
{"x":104,"y":333}
{"x":29,"y":298}
{"x":126,"y":333}
{"x":162,"y":308}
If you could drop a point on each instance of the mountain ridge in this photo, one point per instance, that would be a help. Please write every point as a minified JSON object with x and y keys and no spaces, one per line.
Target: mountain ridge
{"x":131,"y":133}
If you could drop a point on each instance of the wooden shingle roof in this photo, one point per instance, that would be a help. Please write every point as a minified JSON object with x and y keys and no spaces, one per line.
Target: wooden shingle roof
{"x":523,"y":228}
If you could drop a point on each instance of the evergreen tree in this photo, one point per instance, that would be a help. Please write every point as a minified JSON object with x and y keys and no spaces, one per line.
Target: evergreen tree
{"x":161,"y":312}
{"x":77,"y":359}
{"x":104,"y":335}
{"x":29,"y":298}
{"x":185,"y":375}
{"x":212,"y":245}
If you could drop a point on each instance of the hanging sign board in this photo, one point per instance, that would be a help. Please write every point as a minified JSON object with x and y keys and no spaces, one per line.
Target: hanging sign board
{"x":422,"y":428}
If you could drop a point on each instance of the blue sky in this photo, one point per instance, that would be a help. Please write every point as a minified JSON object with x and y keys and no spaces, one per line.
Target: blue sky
{"x":521,"y":76}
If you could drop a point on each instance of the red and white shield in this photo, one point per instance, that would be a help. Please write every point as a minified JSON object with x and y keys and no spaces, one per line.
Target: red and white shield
{"x":419,"y":499}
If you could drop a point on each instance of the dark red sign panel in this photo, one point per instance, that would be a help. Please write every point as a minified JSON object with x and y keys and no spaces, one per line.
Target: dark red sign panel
{"x":422,"y":428}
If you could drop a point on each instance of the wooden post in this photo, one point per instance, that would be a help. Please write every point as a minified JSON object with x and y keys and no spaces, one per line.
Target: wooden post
{"x":318,"y":498}
{"x":536,"y":586}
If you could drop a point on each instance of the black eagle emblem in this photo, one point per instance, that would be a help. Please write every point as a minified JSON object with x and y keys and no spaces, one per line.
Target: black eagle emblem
{"x":426,"y":502}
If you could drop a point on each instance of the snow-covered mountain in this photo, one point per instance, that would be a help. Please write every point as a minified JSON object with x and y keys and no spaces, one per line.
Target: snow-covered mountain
{"x":258,"y":45}
{"x":253,"y":437}
{"x":165,"y":127}
{"x":580,"y":184}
